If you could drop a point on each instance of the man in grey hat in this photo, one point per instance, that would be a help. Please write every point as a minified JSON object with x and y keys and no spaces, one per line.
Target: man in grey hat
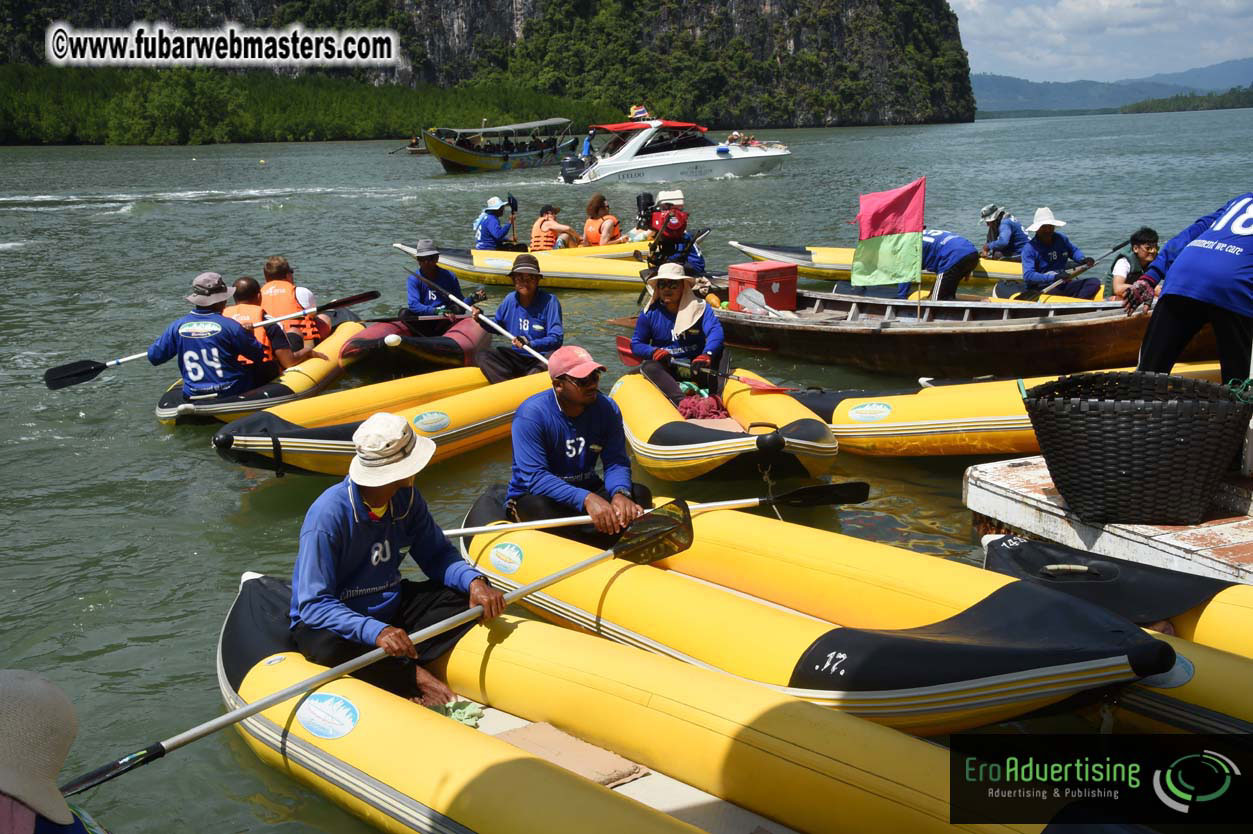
{"x":208,"y":344}
{"x":1005,"y":234}
{"x":347,"y":592}
{"x":532,"y":316}
{"x":423,"y":301}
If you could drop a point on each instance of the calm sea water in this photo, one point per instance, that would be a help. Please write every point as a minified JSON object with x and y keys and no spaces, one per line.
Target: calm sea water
{"x":123,"y":540}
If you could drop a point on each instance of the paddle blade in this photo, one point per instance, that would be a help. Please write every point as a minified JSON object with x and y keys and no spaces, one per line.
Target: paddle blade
{"x":760,"y":386}
{"x":63,"y":376}
{"x":658,"y":533}
{"x":368,"y":295}
{"x":849,"y":492}
{"x":113,"y":769}
{"x":625,"y":354}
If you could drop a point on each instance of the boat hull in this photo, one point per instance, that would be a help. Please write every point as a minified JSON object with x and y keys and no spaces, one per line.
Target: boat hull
{"x":740,"y":162}
{"x":835,"y":263}
{"x":458,"y":160}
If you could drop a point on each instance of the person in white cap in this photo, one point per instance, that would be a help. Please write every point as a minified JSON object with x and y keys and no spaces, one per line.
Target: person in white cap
{"x":489,"y":232}
{"x":1006,"y":237}
{"x":208,"y":345}
{"x":37,"y":728}
{"x":558,"y":437}
{"x":676,"y":324}
{"x":347,"y":592}
{"x":1047,"y":256}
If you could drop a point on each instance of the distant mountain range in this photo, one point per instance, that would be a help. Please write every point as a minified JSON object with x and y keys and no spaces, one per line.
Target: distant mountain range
{"x":1002,"y":92}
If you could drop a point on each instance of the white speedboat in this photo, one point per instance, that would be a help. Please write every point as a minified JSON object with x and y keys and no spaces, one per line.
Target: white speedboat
{"x":657,"y":151}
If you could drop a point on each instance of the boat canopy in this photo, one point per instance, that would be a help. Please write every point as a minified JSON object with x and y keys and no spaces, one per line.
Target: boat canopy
{"x":622,"y":127}
{"x":520,"y":127}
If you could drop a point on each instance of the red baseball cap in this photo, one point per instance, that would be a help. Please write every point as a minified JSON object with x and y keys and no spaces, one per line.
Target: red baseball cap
{"x":572,"y":361}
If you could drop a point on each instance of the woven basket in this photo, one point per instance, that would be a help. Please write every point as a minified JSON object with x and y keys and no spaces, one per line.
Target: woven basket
{"x":1137,"y":448}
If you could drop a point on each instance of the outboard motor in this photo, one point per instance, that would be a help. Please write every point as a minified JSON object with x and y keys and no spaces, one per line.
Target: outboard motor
{"x":644,"y":209}
{"x":572,"y":166}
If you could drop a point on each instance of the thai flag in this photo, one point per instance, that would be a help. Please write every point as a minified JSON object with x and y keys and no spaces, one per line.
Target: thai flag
{"x":638,"y":111}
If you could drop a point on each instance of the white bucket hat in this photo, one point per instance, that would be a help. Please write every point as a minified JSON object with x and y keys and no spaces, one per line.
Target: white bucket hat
{"x":37,"y":727}
{"x":1044,"y":217}
{"x":669,"y":272}
{"x":494,"y":203}
{"x":387,"y":450}
{"x":674,"y":198}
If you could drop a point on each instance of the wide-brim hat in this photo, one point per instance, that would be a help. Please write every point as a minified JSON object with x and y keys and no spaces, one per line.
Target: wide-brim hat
{"x":425,"y":249}
{"x":494,"y":203}
{"x":1044,"y":217}
{"x":989,"y":212}
{"x":37,"y":728}
{"x":388,"y":450}
{"x":209,"y":288}
{"x":526,"y":264}
{"x":669,"y":272}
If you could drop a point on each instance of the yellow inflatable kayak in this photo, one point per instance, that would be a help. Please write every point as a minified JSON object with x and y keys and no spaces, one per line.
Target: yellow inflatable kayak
{"x":456,"y":408}
{"x":764,"y":430}
{"x":920,"y":644}
{"x":299,"y":381}
{"x":572,"y":271}
{"x":834,"y":263}
{"x":948,"y":418}
{"x":751,"y":761}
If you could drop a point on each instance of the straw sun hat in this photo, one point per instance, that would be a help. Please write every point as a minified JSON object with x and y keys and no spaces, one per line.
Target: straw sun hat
{"x":37,"y":727}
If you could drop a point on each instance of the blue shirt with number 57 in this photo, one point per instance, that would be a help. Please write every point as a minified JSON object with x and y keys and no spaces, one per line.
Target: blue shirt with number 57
{"x":208,"y":346}
{"x":1212,"y":260}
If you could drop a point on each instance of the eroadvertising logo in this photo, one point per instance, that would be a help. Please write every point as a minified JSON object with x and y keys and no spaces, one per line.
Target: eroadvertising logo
{"x":1136,"y":779}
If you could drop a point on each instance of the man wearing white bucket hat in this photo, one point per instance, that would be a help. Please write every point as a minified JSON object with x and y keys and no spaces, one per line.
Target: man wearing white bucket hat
{"x":1047,"y":255}
{"x":347,"y":592}
{"x":489,"y":233}
{"x":37,"y":727}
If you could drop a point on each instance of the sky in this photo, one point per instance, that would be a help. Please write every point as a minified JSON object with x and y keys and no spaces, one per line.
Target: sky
{"x":1102,"y":40}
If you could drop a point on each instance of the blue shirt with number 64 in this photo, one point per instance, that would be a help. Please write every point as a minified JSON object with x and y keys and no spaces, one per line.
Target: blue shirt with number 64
{"x":208,"y":346}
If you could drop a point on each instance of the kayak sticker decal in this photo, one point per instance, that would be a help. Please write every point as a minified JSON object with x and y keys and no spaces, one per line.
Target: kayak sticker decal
{"x":506,"y":557}
{"x":199,"y":329}
{"x":869,"y":412}
{"x":429,"y":421}
{"x":327,"y":715}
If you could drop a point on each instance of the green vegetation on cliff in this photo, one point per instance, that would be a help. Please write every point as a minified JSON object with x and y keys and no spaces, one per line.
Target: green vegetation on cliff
{"x":48,"y":105}
{"x":1230,"y":100}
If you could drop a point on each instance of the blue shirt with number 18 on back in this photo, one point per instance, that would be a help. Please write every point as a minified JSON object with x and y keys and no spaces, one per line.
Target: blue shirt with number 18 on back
{"x":1212,"y":260}
{"x":207,"y":345}
{"x":555,"y":455}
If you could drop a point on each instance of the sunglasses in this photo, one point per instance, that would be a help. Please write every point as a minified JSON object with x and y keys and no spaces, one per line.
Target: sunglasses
{"x":667,"y":284}
{"x":589,"y":381}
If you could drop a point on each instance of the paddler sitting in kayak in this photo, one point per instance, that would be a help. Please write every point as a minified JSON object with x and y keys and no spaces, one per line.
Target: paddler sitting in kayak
{"x":601,"y":228}
{"x":532,"y":316}
{"x":280,"y":296}
{"x":547,"y":233}
{"x":558,"y":436}
{"x":347,"y":591}
{"x":422,"y":299}
{"x":282,"y":350}
{"x":676,"y":325}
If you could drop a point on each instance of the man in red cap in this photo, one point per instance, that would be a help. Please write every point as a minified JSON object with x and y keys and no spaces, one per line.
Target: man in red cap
{"x":558,"y":436}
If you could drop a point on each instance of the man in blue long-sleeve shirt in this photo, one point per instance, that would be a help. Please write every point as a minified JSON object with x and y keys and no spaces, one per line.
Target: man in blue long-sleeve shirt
{"x":489,"y":232}
{"x":532,"y":317}
{"x":1006,"y":237}
{"x":950,"y":256}
{"x":423,"y":301}
{"x":1210,"y":267}
{"x":558,"y":436}
{"x":347,"y":592}
{"x":208,"y":344}
{"x":1046,"y":256}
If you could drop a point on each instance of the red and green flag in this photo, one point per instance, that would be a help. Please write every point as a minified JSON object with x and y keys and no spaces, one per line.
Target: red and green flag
{"x":889,"y":248}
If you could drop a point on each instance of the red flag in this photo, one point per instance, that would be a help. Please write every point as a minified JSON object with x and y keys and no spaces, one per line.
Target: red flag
{"x":892,"y":212}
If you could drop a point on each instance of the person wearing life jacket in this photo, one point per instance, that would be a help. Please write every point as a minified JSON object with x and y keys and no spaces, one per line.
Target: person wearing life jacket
{"x":280,"y":352}
{"x":1130,"y":263}
{"x":489,"y":232}
{"x":280,"y":297}
{"x":677,"y":325}
{"x":601,"y":228}
{"x":547,"y":233}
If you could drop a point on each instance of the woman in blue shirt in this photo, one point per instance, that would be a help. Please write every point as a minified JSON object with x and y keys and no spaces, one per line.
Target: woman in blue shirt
{"x":676,"y":325}
{"x":532,"y":316}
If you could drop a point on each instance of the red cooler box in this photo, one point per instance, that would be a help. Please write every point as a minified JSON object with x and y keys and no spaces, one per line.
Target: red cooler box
{"x":775,"y":280}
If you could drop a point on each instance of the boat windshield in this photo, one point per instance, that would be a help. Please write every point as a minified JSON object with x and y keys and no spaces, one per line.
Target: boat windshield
{"x":674,"y":140}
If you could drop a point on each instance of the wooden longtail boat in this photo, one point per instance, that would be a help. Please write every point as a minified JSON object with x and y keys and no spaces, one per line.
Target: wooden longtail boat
{"x":952,"y":338}
{"x":464,"y":150}
{"x":833,"y":263}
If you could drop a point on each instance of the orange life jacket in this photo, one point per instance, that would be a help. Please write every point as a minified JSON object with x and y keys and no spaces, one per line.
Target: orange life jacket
{"x":278,"y":298}
{"x":591,"y":229}
{"x":249,"y":315}
{"x":542,"y":239}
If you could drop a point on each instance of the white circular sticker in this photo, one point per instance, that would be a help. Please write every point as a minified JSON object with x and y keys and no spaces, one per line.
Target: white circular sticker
{"x":869,"y":412}
{"x":430,"y":421}
{"x":506,"y":557}
{"x":327,"y":715}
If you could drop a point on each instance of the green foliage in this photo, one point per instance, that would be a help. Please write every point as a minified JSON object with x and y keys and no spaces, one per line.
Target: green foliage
{"x":50,"y":105}
{"x":1234,"y":98}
